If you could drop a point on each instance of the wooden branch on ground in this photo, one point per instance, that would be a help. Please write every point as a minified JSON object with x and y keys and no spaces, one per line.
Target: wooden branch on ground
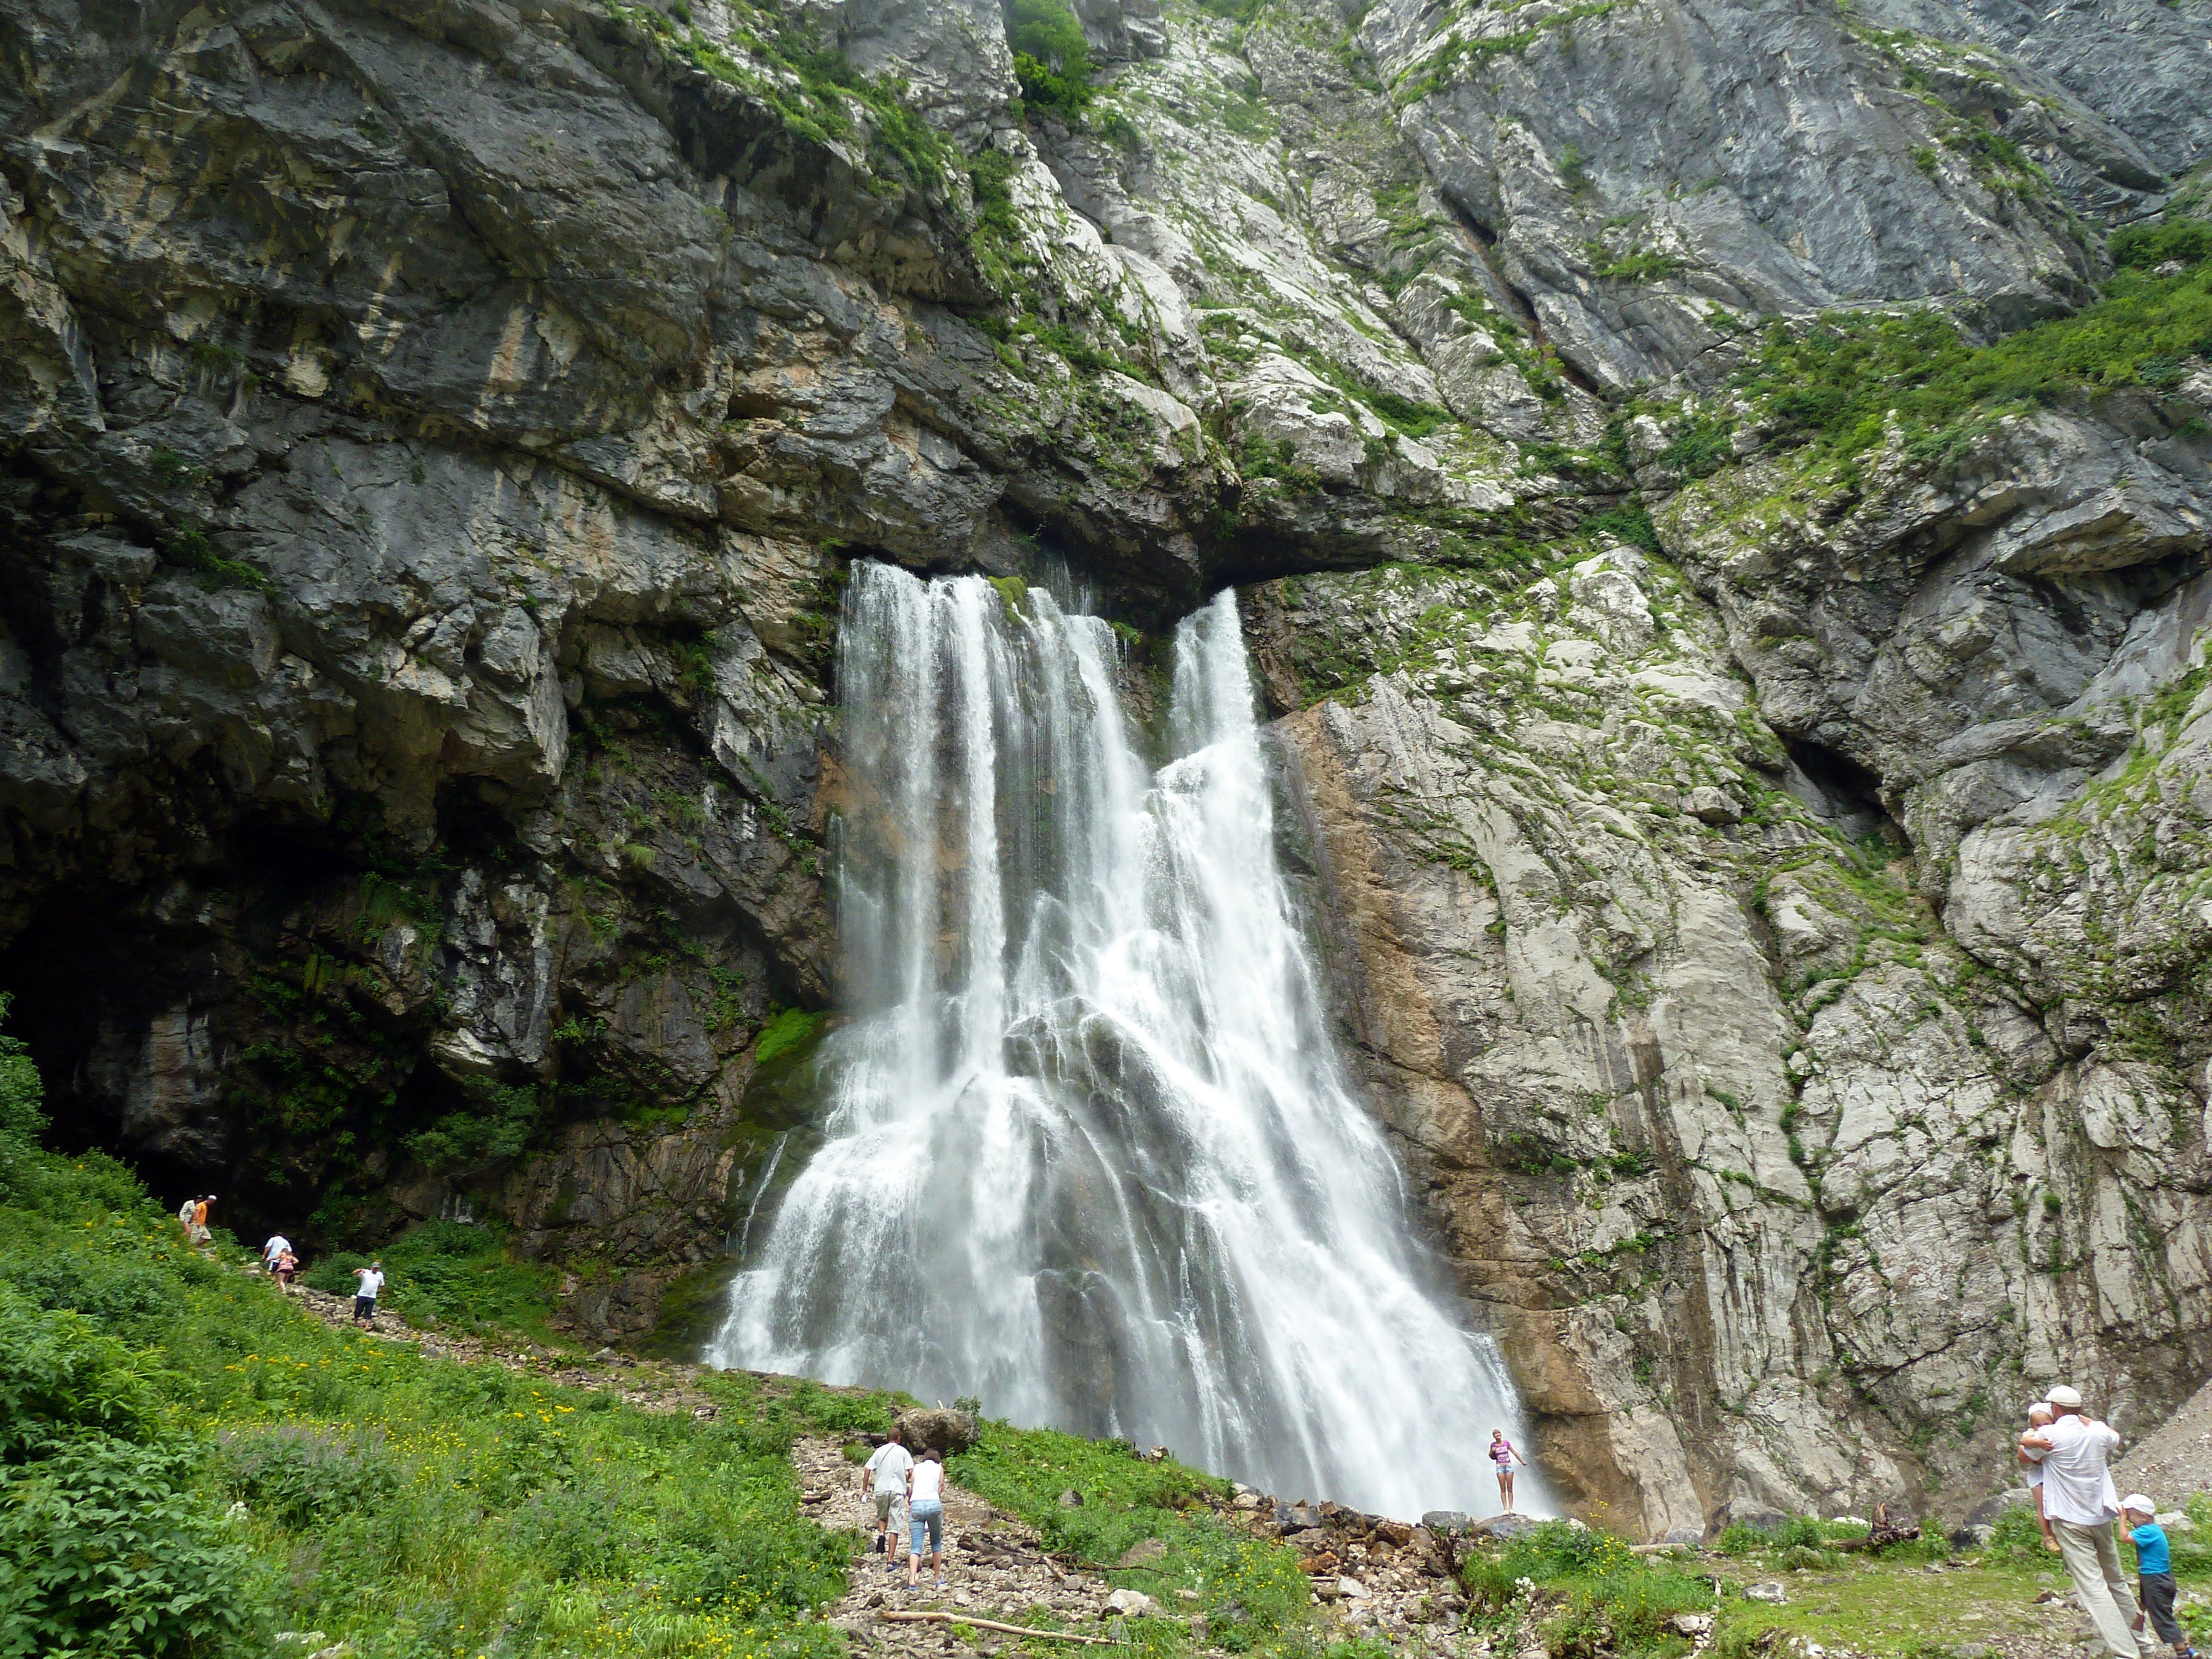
{"x":993,"y":1624}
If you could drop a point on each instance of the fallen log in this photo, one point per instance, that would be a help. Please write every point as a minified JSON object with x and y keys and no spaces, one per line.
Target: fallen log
{"x":993,"y":1624}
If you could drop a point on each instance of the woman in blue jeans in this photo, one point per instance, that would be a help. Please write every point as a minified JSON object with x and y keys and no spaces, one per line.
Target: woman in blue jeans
{"x":925,"y":1515}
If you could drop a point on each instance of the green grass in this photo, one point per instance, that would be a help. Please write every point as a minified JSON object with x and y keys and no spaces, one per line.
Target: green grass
{"x":1591,"y":1593}
{"x":1250,"y":1589}
{"x":190,"y":1463}
{"x":444,"y":1276}
{"x":1835,"y":385}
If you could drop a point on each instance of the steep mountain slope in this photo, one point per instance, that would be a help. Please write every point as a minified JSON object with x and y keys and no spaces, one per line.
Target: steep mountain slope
{"x":1758,"y":779}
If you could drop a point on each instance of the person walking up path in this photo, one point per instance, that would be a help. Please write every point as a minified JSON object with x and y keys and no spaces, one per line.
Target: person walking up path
{"x":925,"y":1511}
{"x":885,"y":1474}
{"x":2078,"y":1508}
{"x":369,"y":1283}
{"x":276,"y":1246}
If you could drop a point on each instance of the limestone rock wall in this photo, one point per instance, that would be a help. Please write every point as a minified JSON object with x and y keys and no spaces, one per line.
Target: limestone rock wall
{"x":433,"y":433}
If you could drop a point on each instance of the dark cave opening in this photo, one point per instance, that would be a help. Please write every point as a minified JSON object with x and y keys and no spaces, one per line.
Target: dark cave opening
{"x":1835,"y":787}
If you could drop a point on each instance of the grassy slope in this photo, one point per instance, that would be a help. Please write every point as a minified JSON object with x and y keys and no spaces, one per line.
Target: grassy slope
{"x":1839,"y":387}
{"x":190,"y":1464}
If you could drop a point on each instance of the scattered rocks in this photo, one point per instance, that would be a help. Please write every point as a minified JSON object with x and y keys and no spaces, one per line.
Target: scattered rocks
{"x":1132,"y":1604}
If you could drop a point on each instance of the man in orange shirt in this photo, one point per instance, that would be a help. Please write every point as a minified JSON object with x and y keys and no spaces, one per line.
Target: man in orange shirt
{"x":200,"y":1233}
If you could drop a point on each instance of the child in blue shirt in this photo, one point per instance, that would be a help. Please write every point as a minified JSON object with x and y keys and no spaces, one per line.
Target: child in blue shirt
{"x":2154,"y":1570}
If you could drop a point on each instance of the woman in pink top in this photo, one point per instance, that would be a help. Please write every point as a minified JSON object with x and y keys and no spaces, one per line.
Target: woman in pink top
{"x":1503,"y":1454}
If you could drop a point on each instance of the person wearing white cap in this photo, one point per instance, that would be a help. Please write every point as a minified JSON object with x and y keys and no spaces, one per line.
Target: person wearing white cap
{"x":2079,"y":1507}
{"x":2154,"y":1570}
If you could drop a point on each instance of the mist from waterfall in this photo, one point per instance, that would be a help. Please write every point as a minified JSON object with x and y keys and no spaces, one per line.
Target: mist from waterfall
{"x":1090,"y":1152}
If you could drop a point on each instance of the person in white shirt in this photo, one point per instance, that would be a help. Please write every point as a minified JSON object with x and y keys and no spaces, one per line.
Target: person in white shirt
{"x":925,"y":1512}
{"x":2079,"y":1504}
{"x":276,"y":1246}
{"x":885,"y":1472}
{"x":367,"y":1283}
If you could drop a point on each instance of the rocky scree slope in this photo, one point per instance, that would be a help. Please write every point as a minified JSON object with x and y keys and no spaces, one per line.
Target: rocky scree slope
{"x":1766,"y":865}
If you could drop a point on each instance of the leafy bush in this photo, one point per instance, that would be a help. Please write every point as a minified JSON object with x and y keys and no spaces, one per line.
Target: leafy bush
{"x":296,"y":1475}
{"x":60,"y":1377}
{"x":2015,"y":1537}
{"x":21,"y":1095}
{"x":104,"y":1551}
{"x":2144,"y":248}
{"x":1052,"y":60}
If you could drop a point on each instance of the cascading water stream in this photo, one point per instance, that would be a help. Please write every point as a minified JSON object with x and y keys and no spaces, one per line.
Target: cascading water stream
{"x":1090,"y":1152}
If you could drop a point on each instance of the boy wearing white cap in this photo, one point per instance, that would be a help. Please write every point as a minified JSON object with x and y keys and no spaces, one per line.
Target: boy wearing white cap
{"x":2153,"y":1569}
{"x":2079,"y":1507}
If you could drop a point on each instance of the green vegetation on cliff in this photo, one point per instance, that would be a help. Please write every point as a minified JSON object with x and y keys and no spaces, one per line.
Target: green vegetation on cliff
{"x":1838,"y":387}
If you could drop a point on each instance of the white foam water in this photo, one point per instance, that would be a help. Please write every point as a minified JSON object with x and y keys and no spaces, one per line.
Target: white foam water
{"x":1090,"y":1152}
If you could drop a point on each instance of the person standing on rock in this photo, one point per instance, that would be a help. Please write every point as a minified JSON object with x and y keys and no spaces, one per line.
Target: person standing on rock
{"x":924,"y":1513}
{"x":1503,"y":1454}
{"x":885,"y":1474}
{"x":2078,"y":1508}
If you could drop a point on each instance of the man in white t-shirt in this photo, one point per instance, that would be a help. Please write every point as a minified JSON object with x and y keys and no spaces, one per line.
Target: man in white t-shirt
{"x":2079,"y":1504}
{"x":886,"y":1473}
{"x":276,"y":1246}
{"x":369,"y":1283}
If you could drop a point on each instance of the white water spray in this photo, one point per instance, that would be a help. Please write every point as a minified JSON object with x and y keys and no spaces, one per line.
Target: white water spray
{"x":1090,"y":1152}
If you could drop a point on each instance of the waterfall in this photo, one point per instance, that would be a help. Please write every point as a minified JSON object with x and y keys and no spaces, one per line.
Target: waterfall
{"x":1089,"y":1151}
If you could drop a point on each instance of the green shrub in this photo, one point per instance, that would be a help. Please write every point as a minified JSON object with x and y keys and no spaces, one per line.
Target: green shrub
{"x":1609,"y":1599}
{"x":1052,"y":60}
{"x":296,"y":1474}
{"x":2143,"y":247}
{"x":104,"y":1551}
{"x":21,"y":1094}
{"x":2015,"y":1537}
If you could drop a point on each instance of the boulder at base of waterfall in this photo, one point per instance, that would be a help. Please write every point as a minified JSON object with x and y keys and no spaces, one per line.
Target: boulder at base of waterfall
{"x":1502,"y":1526}
{"x":942,"y":1431}
{"x":1327,"y":1561}
{"x":1769,"y":1590}
{"x":1445,"y":1521}
{"x":1683,"y":1538}
{"x":1351,"y":1589}
{"x":1144,"y":1553}
{"x":1131,"y":1604}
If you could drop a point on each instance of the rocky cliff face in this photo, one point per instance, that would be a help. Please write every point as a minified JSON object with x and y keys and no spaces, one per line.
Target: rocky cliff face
{"x":1761,"y":831}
